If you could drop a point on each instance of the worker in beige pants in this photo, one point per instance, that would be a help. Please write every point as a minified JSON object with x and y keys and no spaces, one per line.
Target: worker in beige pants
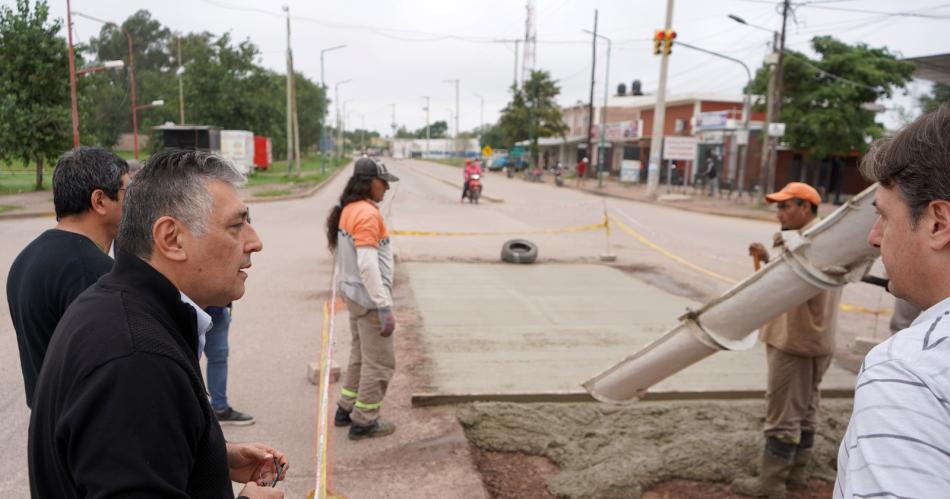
{"x":372,"y":364}
{"x":365,"y":265}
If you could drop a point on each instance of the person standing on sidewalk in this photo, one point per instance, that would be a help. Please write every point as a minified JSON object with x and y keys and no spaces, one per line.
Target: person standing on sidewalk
{"x":357,"y":235}
{"x":581,"y":171}
{"x":215,"y":346}
{"x":799,"y":345}
{"x":88,"y":188}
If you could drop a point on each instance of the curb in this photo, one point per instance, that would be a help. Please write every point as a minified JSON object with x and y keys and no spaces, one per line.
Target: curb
{"x":309,"y":192}
{"x":14,"y":215}
{"x":750,"y":216}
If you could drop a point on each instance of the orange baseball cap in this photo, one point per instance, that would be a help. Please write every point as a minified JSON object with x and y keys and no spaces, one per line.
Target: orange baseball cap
{"x":795,"y":190}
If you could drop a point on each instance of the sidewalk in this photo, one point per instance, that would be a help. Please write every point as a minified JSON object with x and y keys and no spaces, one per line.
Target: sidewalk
{"x":688,"y":199}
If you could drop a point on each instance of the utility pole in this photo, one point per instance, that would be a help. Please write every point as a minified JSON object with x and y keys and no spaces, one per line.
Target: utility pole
{"x":290,"y":110}
{"x":393,"y":124}
{"x":427,"y":125}
{"x":530,"y":43}
{"x":362,"y":132}
{"x":601,"y":154}
{"x":773,"y":113}
{"x":659,"y":114}
{"x":590,"y":104}
{"x":455,"y":145}
{"x":181,"y":88}
{"x":74,"y":103}
{"x":481,"y":113}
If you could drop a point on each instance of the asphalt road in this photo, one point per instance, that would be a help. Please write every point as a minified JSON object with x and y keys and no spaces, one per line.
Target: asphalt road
{"x":277,"y":324}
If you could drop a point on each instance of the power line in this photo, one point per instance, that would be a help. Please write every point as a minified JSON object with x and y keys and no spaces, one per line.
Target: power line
{"x":916,"y":13}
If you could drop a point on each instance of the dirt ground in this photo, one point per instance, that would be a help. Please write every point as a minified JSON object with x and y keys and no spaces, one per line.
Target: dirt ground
{"x":651,"y":450}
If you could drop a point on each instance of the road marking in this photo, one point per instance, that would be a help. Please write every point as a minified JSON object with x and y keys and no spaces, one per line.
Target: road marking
{"x":579,"y":228}
{"x":844,"y":307}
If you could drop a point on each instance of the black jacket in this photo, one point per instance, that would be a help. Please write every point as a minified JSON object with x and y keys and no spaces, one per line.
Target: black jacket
{"x":120,"y":408}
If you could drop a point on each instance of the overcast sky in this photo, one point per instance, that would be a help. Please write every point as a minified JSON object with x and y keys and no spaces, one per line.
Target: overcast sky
{"x":398,"y":51}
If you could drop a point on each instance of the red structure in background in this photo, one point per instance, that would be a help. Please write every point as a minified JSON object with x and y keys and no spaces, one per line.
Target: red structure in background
{"x":262,"y":152}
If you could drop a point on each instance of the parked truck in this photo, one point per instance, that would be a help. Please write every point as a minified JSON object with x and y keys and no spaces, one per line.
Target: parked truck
{"x":238,"y":146}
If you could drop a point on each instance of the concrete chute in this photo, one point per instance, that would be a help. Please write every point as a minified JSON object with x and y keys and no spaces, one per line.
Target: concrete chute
{"x":831,"y":254}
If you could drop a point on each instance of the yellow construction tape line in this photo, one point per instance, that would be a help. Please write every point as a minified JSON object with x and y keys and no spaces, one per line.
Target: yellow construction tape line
{"x":582,"y":228}
{"x":655,"y":247}
{"x":844,"y":307}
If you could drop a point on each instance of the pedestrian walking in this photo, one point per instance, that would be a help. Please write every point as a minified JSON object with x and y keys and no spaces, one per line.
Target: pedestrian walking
{"x":710,"y":175}
{"x":120,"y":408}
{"x":799,"y":345}
{"x":898,"y":440}
{"x":359,"y":239}
{"x":88,"y":188}
{"x":581,"y":171}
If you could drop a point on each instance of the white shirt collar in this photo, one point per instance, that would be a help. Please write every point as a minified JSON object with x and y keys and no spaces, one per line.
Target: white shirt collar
{"x":931,"y":313}
{"x":204,"y":321}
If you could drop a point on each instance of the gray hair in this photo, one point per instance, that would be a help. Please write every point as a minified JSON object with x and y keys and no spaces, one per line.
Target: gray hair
{"x":173,"y":183}
{"x":916,"y":161}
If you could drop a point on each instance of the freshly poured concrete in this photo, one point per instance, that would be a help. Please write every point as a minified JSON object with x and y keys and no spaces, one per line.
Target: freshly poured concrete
{"x":529,"y":329}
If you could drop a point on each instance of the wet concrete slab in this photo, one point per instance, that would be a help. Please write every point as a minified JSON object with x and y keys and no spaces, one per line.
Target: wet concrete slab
{"x":511,"y":330}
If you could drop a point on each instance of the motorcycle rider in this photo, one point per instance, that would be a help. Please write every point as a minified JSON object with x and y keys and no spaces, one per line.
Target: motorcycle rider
{"x":471,"y":168}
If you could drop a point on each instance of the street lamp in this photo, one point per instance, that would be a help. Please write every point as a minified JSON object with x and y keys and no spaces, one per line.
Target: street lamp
{"x":105,"y":65}
{"x":456,"y":82}
{"x":154,"y":103}
{"x":746,"y":105}
{"x":323,"y":87}
{"x":773,"y":103}
{"x":603,"y":114}
{"x":346,"y":120}
{"x":135,"y":125}
{"x":336,"y":105}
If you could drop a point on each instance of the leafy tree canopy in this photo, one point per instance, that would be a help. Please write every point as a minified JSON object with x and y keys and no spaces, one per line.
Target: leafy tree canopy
{"x":823,"y":99}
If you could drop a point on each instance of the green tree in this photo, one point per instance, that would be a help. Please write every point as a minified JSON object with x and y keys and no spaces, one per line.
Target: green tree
{"x":823,"y":100}
{"x":437,"y":130}
{"x":491,"y":135}
{"x":533,"y":112}
{"x":34,"y":87}
{"x":940,"y":95}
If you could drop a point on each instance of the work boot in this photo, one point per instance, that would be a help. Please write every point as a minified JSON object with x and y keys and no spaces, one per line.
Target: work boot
{"x":776,"y":465}
{"x":341,"y":418}
{"x":797,"y":477}
{"x":376,"y":429}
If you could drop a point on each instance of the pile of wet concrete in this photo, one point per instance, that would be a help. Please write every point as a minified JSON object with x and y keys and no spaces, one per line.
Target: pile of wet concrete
{"x":618,"y":452}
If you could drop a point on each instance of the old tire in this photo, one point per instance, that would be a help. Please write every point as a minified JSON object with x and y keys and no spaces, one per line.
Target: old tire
{"x":519,"y":251}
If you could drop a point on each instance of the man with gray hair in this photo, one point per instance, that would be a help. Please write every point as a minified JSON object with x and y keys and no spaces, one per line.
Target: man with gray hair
{"x":120,"y":407}
{"x":88,"y":188}
{"x":898,"y":441}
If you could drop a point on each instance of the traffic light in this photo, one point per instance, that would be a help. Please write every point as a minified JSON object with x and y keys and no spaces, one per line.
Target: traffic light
{"x":668,"y":41}
{"x":658,"y":38}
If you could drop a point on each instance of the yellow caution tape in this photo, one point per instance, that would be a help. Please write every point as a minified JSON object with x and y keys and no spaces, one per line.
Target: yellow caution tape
{"x":655,"y":247}
{"x":581,"y":228}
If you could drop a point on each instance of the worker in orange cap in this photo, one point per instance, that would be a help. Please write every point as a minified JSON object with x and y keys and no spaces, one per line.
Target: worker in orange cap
{"x":799,"y":345}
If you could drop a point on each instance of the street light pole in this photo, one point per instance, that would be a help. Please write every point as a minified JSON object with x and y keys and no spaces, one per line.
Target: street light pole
{"x":455,"y":145}
{"x":659,"y":115}
{"x":481,"y":112}
{"x":336,"y":105}
{"x":326,"y":129}
{"x":427,"y":125}
{"x":746,"y":108}
{"x":135,"y":125}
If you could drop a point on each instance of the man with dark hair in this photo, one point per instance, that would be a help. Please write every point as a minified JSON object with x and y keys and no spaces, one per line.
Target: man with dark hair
{"x":120,"y":408}
{"x":799,"y":345}
{"x":88,"y":189}
{"x":898,"y":441}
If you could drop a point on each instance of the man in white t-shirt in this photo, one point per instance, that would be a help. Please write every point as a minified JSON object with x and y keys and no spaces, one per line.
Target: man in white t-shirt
{"x":898,"y":440}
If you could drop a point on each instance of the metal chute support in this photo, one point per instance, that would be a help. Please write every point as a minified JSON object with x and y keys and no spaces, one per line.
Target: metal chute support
{"x":831,"y":254}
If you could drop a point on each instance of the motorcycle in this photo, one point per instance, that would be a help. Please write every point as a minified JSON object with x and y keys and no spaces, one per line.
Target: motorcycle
{"x":474,"y":188}
{"x":558,"y":178}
